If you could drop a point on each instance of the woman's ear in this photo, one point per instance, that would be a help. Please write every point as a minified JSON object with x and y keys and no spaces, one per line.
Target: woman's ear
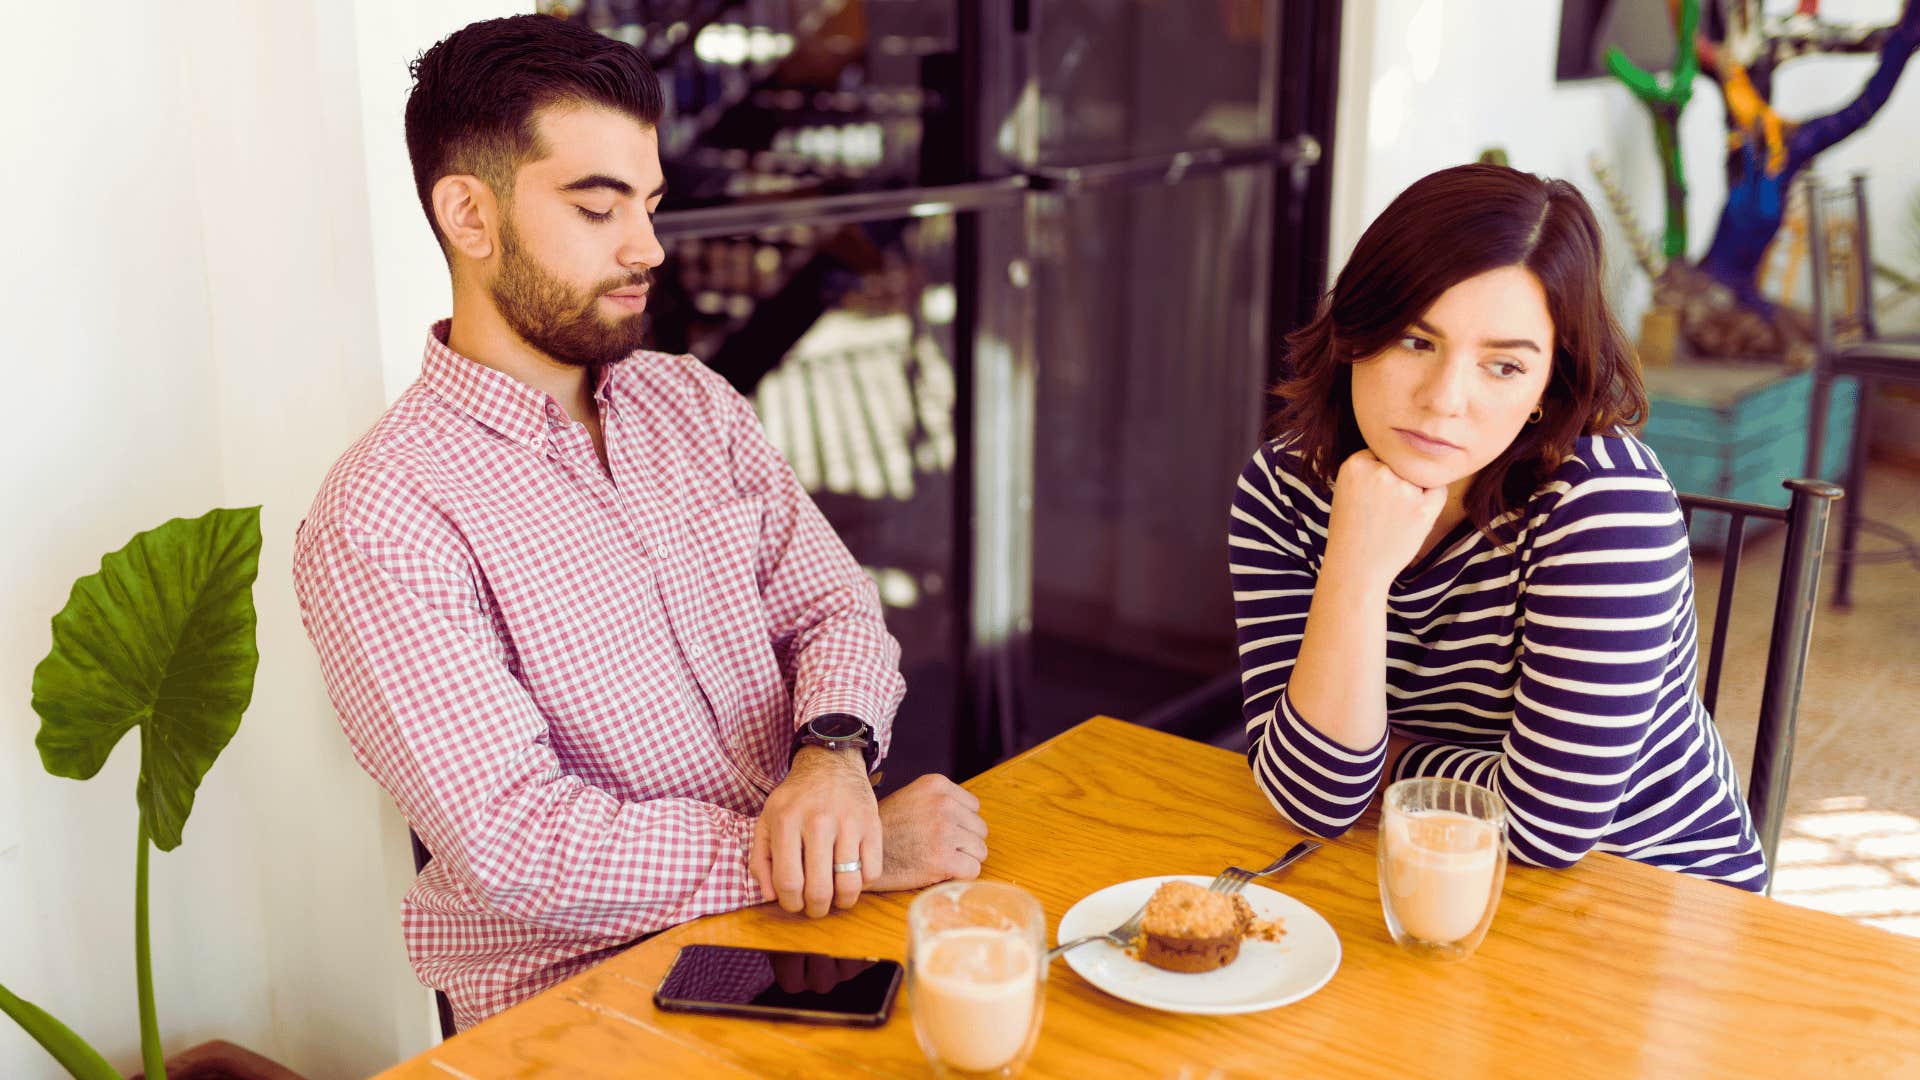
{"x":467,"y":213}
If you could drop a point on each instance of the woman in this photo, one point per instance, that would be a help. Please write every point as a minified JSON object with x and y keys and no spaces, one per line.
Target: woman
{"x":1454,"y":536}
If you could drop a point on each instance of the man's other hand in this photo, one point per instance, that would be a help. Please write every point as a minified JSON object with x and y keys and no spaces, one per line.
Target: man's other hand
{"x":934,"y":833}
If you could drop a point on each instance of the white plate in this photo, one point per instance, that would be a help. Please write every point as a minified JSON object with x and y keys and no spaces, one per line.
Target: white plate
{"x":1267,"y":974}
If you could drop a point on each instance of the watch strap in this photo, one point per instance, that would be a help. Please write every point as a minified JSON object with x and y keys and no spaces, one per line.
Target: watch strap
{"x":868,"y":740}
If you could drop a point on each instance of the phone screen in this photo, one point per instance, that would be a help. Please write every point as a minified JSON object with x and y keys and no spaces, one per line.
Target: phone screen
{"x":805,"y":986}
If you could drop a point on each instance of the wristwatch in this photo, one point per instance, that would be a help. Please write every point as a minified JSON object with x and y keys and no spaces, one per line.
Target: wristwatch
{"x":838,"y":731}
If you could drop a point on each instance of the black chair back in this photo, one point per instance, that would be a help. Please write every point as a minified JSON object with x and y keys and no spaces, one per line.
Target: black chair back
{"x":421,"y":856}
{"x":1840,"y":263}
{"x":1863,"y":257}
{"x":1848,"y":345}
{"x":1787,"y":643}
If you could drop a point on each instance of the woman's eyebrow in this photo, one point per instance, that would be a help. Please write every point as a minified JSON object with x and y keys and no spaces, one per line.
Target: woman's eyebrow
{"x":1511,"y":343}
{"x":1491,"y":343}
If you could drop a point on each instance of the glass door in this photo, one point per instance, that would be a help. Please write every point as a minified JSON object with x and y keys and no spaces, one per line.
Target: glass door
{"x":1161,"y":162}
{"x":1000,"y":277}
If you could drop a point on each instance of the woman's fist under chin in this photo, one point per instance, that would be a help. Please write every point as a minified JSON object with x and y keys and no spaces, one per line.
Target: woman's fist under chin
{"x":1380,"y":522}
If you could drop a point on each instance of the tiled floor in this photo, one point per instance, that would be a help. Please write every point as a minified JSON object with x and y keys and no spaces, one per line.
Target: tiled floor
{"x":1851,"y":840}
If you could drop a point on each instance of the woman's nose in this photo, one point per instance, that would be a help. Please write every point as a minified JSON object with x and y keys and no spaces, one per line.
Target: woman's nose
{"x":1443,"y":389}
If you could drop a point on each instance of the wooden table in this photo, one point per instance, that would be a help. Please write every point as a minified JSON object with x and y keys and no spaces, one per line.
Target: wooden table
{"x":1608,"y":969}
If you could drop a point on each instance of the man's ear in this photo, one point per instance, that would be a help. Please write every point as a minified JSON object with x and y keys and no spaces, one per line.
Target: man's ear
{"x":467,"y":213}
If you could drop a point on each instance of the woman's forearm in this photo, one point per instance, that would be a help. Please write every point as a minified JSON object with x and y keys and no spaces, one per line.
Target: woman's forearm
{"x":1339,"y":683}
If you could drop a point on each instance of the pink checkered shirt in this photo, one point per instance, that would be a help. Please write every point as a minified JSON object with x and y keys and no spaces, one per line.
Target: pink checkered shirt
{"x":579,"y":689}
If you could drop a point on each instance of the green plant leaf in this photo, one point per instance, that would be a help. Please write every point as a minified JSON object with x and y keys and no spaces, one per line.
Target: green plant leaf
{"x":70,"y":1050}
{"x":161,"y":638}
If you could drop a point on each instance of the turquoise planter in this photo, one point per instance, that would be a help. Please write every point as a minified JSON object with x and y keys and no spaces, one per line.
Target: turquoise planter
{"x":1737,"y":429}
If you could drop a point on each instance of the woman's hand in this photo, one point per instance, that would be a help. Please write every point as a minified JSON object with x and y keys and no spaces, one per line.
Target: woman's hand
{"x":1379,"y":521}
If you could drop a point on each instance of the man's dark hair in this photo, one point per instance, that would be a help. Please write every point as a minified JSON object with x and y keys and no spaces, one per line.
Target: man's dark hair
{"x":475,"y":94}
{"x":1452,"y":225}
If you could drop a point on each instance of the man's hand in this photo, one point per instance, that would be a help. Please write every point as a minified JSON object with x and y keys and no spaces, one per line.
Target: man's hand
{"x":823,"y":813}
{"x":934,"y":833}
{"x":1379,"y":521}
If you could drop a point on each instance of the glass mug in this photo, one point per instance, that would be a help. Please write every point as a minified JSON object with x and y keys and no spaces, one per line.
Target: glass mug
{"x":976,"y":977}
{"x":1443,"y":858}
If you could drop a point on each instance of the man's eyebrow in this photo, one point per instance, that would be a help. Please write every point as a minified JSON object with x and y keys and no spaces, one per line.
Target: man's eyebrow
{"x":1501,"y":343}
{"x":612,"y":183}
{"x":600,"y":180}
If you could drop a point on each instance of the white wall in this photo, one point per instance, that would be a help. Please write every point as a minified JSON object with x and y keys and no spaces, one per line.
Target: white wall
{"x":103,"y":323}
{"x":409,"y":275}
{"x":1430,"y":83}
{"x":206,"y":251}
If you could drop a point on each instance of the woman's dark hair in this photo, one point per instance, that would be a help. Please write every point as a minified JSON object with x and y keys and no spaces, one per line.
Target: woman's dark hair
{"x":1448,"y":227}
{"x":475,"y":94}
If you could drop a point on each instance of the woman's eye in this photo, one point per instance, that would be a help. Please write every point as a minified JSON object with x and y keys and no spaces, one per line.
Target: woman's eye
{"x":1416,"y":343}
{"x":591,"y":215}
{"x":1505,"y":369}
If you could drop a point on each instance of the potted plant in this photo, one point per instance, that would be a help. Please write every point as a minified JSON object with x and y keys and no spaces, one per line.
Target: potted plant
{"x":161,"y":639}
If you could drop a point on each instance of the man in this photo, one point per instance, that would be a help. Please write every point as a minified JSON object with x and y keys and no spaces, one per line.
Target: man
{"x":574,"y":611}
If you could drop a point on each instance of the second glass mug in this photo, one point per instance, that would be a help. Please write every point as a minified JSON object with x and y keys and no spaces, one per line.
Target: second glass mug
{"x":976,"y":979}
{"x":1443,"y":860}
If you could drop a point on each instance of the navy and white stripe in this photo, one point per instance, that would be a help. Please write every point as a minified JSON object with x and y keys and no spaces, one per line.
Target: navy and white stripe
{"x":1559,"y":671}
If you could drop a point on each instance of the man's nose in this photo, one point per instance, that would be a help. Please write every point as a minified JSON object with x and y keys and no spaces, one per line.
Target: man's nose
{"x":641,"y":246}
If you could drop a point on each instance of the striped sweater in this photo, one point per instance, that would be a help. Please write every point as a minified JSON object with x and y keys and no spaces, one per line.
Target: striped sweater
{"x":1559,"y":672}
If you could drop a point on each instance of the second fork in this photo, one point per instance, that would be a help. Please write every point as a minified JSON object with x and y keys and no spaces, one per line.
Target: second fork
{"x":1235,"y":878}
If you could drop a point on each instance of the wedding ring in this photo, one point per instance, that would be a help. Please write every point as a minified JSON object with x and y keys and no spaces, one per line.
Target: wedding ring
{"x":851,"y":866}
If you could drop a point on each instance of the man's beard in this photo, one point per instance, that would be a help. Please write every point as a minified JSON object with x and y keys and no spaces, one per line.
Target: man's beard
{"x":558,"y":320}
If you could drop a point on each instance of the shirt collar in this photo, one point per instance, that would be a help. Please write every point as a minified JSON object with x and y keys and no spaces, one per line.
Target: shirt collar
{"x":494,"y":398}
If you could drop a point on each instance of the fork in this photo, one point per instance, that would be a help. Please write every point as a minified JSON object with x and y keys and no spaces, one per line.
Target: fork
{"x":1235,"y":878}
{"x":1121,"y":936}
{"x":1230,"y":881}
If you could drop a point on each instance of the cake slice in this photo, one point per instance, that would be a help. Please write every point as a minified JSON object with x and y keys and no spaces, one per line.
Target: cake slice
{"x":1187,"y":928}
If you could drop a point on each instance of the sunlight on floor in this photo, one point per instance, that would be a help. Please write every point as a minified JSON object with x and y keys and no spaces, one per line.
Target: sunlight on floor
{"x":1850,"y":859}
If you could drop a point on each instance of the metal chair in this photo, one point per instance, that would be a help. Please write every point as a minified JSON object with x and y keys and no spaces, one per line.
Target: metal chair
{"x":1806,"y":517}
{"x":420,"y":858}
{"x":1855,"y":350}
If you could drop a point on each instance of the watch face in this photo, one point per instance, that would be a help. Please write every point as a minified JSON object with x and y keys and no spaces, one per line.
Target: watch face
{"x":836,"y":727}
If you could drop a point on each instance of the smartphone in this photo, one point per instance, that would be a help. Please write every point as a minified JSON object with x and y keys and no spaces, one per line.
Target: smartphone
{"x":808,"y":987}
